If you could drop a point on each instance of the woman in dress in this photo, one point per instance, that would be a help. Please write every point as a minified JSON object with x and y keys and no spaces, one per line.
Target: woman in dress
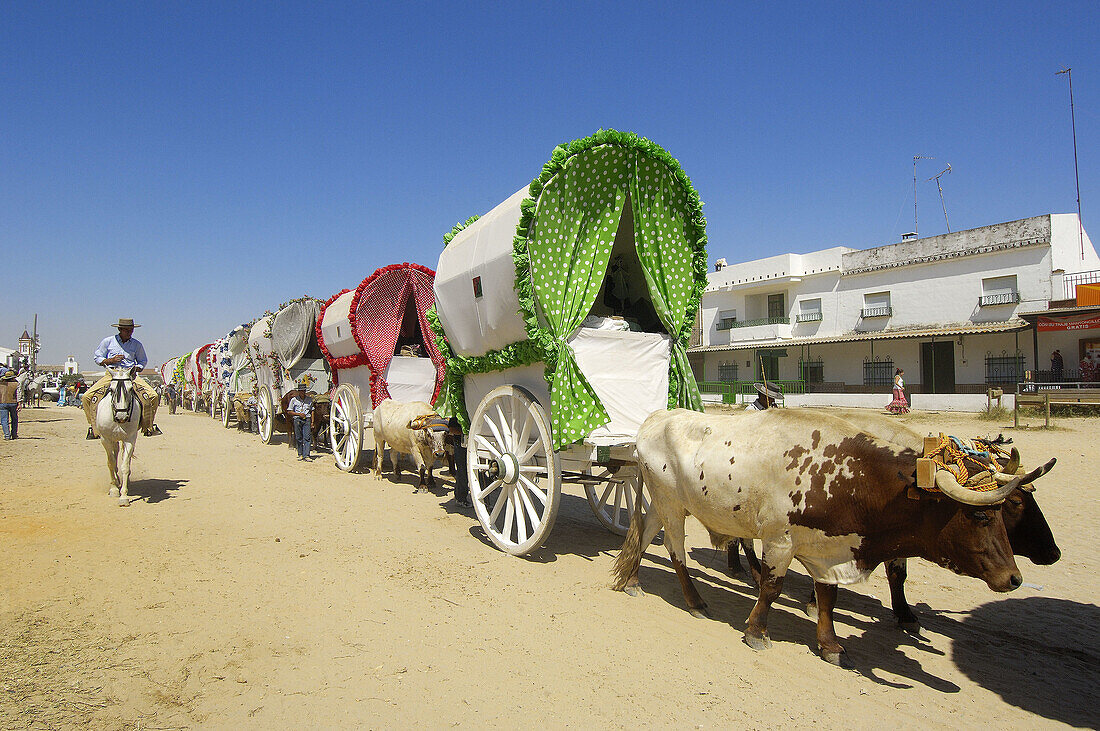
{"x":899,"y":405}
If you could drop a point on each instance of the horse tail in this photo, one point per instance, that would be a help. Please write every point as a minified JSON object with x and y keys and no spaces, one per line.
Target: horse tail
{"x":631,"y":554}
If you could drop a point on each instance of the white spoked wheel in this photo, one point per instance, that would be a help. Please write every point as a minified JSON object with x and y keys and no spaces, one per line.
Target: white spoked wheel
{"x":345,"y":427}
{"x":615,"y":501}
{"x":265,"y":414}
{"x":514,"y":472}
{"x":227,"y":409}
{"x":215,"y":402}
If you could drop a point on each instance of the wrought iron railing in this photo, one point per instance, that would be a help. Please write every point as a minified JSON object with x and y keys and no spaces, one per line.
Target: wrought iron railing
{"x":1070,"y":282}
{"x":763,"y":321}
{"x":1006,"y":298}
{"x":808,"y":317}
{"x":877,"y":312}
{"x":726,"y":323}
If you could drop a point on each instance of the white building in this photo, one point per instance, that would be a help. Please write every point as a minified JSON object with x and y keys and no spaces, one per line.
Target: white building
{"x":958,"y":312}
{"x":71,"y":366}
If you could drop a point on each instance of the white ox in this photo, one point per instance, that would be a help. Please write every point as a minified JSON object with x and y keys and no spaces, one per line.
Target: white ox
{"x":411,"y":428}
{"x":811,"y":487}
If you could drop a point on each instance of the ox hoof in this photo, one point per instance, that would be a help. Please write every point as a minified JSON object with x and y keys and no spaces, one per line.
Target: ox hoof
{"x":838,"y":658}
{"x":124,"y":502}
{"x":757,"y":643}
{"x":634,"y":591}
{"x":810,"y":609}
{"x":113,"y":492}
{"x":910,"y":626}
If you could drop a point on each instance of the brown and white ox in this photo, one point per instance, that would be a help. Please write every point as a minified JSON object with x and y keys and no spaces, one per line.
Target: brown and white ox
{"x":1029,"y":534}
{"x":811,"y":487}
{"x":412,"y":428}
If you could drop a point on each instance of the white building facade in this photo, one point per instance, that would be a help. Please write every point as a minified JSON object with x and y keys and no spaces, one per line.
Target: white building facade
{"x":957,"y":312}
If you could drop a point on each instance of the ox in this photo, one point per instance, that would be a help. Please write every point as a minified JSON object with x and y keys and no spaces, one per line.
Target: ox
{"x":1029,"y":533}
{"x":811,"y":487}
{"x":411,"y":428}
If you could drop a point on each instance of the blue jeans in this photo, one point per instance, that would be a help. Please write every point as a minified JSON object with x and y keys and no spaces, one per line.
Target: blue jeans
{"x":9,"y":413}
{"x":302,"y":435}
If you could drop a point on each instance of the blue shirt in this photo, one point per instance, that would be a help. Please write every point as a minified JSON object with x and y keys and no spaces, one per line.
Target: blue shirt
{"x":132,"y":351}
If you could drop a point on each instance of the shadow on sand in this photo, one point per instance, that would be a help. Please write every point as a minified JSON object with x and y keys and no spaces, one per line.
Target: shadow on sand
{"x":154,"y":490}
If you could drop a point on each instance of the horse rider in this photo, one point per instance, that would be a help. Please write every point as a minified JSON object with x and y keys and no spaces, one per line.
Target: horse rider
{"x":124,"y":351}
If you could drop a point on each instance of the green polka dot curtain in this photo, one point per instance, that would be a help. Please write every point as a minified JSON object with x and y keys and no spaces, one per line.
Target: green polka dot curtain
{"x":575,"y":223}
{"x":663,"y":235}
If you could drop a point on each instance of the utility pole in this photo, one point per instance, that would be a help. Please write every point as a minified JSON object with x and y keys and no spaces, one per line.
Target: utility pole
{"x":915,"y":158}
{"x":1076,"y":175}
{"x":34,"y":345}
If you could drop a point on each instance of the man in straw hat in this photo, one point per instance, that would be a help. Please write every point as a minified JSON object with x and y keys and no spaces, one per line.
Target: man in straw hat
{"x":766,"y":399}
{"x":123,"y":351}
{"x":9,"y":404}
{"x":300,"y":409}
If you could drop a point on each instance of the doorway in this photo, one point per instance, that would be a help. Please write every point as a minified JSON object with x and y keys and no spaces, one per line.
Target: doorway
{"x":937,"y":366}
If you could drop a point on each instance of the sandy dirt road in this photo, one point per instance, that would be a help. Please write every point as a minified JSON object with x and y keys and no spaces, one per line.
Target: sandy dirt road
{"x":248,"y":590}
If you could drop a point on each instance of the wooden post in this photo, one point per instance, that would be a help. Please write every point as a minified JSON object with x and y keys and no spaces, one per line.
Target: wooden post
{"x":1016,"y":410}
{"x":1046,"y":400}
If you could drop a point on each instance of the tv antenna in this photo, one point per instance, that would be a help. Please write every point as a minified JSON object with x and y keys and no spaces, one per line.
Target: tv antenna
{"x":915,"y":158}
{"x":1076,"y":175}
{"x":945,"y":171}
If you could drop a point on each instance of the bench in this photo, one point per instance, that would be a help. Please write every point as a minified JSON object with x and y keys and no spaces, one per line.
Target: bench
{"x":1045,"y":396}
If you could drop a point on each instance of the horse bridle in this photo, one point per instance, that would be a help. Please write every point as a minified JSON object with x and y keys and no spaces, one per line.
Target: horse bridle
{"x":122,"y":398}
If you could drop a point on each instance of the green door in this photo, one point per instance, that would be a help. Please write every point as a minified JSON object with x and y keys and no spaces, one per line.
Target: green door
{"x":937,"y":366}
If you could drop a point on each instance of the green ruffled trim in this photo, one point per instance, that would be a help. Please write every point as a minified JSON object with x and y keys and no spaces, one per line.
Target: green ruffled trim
{"x":541,"y":346}
{"x":448,"y":237}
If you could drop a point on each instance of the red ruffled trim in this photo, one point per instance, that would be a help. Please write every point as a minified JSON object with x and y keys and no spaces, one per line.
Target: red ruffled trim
{"x":334,"y":364}
{"x":198,"y":363}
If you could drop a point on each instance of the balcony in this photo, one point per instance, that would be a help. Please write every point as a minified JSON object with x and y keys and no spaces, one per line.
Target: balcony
{"x":1006,"y":298}
{"x":876,"y":312}
{"x":808,"y":317}
{"x":768,"y":328}
{"x":726,"y":323}
{"x":762,"y":321}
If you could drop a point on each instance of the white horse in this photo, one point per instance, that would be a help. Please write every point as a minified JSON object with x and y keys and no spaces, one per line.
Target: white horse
{"x":117,"y":423}
{"x":35,"y":389}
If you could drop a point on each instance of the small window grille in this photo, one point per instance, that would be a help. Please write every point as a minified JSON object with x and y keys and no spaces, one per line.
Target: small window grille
{"x":727,"y":372}
{"x":878,"y":372}
{"x":1004,"y":368}
{"x":811,"y":371}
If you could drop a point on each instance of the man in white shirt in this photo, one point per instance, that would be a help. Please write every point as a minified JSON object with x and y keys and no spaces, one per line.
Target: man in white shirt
{"x":123,"y":351}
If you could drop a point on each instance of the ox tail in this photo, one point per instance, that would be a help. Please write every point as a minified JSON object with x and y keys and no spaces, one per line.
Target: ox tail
{"x":626,"y":565}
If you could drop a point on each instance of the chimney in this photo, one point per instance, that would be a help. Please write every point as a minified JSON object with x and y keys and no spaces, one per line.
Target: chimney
{"x":720,"y":265}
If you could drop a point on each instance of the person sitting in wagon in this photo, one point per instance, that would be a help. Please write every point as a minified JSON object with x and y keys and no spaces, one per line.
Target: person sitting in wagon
{"x":123,"y":351}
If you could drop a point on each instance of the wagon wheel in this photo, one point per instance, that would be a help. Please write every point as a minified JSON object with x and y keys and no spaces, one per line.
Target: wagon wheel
{"x":194,"y":401}
{"x":214,"y":403}
{"x":345,"y":427}
{"x":514,"y":472}
{"x":614,"y":502}
{"x":265,"y":414}
{"x":227,"y":408}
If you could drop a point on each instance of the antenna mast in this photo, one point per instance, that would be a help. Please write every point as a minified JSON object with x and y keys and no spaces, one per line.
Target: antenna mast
{"x":915,"y":158}
{"x":1076,"y":175}
{"x":943,"y":172}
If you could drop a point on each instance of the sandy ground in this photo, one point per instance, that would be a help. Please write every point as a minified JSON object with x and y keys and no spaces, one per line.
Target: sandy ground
{"x":249,"y":590}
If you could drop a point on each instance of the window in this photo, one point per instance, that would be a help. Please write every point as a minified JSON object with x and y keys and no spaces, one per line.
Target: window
{"x":809,"y":310}
{"x":726,"y":320}
{"x":878,"y":372}
{"x":776,"y":308}
{"x":1004,"y":368}
{"x":876,"y":304}
{"x":811,"y":371}
{"x":999,"y":291}
{"x":727,"y":372}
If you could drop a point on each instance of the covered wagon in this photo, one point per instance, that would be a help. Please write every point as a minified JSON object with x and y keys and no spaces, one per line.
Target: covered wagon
{"x":237,"y":371}
{"x":564,"y":314}
{"x":283,"y":348}
{"x":379,"y":345}
{"x":196,"y":372}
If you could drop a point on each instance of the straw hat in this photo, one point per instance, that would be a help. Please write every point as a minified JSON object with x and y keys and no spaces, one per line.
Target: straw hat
{"x":765,"y":391}
{"x":8,"y":376}
{"x":125,"y":322}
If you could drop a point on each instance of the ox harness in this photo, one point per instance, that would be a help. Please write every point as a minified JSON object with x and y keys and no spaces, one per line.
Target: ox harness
{"x":971,"y":462}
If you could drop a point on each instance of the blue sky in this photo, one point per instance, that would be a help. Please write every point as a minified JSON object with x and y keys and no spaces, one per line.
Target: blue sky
{"x":193,"y":164}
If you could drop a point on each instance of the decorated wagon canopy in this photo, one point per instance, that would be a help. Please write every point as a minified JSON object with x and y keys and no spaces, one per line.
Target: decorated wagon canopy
{"x":283,"y":347}
{"x":197,"y":368}
{"x":611,"y":229}
{"x":383,"y":324}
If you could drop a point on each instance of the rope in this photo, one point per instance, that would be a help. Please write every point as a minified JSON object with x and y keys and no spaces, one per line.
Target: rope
{"x":954,"y":453}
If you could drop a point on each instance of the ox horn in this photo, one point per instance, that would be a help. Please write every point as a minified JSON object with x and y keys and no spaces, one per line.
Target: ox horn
{"x":949,"y":485}
{"x":1013,"y":463}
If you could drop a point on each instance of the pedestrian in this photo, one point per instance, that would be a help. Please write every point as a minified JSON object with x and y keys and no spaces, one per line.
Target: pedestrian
{"x":765,"y":399}
{"x":300,"y":409}
{"x":9,"y":405}
{"x":899,"y":405}
{"x":1056,"y":365}
{"x":170,"y":393}
{"x":61,"y":395}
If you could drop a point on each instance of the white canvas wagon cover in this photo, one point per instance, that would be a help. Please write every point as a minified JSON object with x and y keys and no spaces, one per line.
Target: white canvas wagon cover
{"x":293,"y":328}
